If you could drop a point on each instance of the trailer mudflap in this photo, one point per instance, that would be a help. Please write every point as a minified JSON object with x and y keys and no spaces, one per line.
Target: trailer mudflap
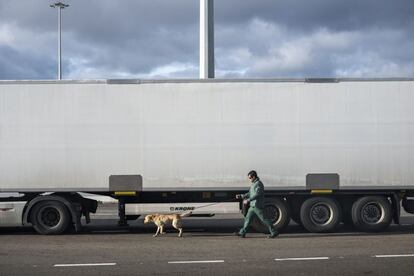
{"x":395,"y":199}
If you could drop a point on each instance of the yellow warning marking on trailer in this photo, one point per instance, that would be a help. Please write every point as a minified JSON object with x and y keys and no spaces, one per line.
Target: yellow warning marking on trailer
{"x":125,"y":193}
{"x":321,"y":191}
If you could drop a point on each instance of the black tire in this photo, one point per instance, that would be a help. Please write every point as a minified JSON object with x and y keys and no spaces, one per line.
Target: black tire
{"x":372,"y":213}
{"x":320,"y":214}
{"x":50,"y":217}
{"x":277,"y":211}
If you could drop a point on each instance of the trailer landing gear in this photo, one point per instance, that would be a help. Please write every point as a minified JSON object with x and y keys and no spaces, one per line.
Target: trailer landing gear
{"x":121,"y":213}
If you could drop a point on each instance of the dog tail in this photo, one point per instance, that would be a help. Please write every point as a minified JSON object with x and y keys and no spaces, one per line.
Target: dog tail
{"x":187,"y":214}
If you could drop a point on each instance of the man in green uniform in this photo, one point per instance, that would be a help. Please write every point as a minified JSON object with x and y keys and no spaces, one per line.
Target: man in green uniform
{"x":256,"y":198}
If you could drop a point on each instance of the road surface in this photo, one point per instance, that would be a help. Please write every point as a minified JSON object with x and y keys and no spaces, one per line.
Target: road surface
{"x":207,"y":248}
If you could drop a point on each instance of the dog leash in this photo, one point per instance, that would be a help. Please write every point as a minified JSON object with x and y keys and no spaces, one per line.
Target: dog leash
{"x":210,"y":204}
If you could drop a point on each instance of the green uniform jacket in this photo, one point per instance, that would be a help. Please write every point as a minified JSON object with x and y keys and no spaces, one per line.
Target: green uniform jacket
{"x":256,"y":194}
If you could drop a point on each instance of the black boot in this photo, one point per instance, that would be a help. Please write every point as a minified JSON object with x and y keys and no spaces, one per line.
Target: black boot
{"x":273,"y":235}
{"x":240,"y":235}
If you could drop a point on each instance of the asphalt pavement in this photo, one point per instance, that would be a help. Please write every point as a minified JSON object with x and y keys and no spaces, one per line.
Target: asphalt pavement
{"x":208,"y":247}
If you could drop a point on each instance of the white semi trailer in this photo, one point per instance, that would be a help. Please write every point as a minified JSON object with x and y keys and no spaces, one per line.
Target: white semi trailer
{"x":327,"y":150}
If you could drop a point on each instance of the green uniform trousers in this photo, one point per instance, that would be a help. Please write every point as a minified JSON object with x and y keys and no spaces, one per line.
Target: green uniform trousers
{"x":259,"y":213}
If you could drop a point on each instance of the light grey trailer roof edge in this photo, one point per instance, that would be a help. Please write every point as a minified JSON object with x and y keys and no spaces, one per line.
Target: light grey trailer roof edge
{"x":210,"y":189}
{"x":217,"y":80}
{"x":19,"y":82}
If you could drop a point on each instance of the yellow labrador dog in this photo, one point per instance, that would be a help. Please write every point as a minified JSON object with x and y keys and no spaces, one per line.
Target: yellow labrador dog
{"x":161,"y":220}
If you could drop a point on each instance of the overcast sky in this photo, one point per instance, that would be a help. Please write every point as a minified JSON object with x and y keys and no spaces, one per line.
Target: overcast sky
{"x":254,"y":39}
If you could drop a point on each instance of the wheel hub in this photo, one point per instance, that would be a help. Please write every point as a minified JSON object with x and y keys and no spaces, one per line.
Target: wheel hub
{"x":320,"y":214}
{"x":272,"y":213}
{"x":49,"y":217}
{"x":371,"y":213}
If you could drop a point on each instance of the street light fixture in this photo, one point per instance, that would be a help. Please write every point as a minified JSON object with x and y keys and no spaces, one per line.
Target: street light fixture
{"x":59,"y":6}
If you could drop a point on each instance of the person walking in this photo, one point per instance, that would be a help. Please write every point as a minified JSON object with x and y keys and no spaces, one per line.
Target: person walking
{"x":256,"y":198}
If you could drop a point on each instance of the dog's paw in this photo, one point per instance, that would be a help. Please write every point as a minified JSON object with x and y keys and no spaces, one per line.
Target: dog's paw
{"x":154,"y":235}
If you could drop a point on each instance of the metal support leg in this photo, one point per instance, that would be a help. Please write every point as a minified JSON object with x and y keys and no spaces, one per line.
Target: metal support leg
{"x":121,"y":213}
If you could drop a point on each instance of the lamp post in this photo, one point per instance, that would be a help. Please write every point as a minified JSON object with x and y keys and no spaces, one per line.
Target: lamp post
{"x":206,"y":39}
{"x":59,"y":6}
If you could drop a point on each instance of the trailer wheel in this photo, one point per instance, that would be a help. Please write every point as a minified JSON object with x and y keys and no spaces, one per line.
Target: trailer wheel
{"x":50,"y":217}
{"x":320,"y":214}
{"x":371,"y":213}
{"x":275,"y":210}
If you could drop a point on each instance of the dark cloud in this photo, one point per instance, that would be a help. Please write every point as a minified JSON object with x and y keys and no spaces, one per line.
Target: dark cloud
{"x":335,"y":14}
{"x":158,"y":38}
{"x":18,"y":65}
